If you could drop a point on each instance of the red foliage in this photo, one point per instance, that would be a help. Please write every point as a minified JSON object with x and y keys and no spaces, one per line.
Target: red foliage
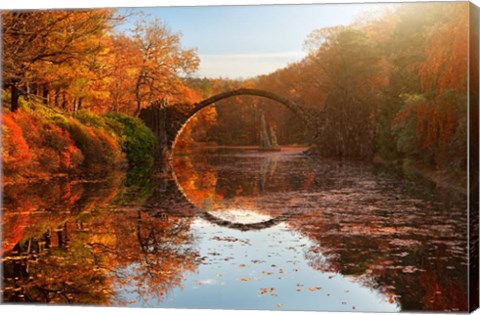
{"x":33,"y":146}
{"x":16,"y":154}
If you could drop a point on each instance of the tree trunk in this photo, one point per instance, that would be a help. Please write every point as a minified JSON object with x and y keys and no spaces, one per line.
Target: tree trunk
{"x":137,"y":94}
{"x":15,"y":97}
{"x":45,"y":95}
{"x":139,"y":108}
{"x":75,"y":105}
{"x":64,"y":101}
{"x":57,"y":96}
{"x":33,"y":89}
{"x":139,"y":102}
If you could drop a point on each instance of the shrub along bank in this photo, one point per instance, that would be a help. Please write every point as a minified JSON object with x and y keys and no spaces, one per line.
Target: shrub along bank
{"x":39,"y":143}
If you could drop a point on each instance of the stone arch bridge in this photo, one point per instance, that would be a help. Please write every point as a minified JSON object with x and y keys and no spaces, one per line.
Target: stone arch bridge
{"x":167,"y":121}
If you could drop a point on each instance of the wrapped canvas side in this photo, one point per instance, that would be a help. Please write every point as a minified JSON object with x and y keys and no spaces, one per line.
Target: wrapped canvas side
{"x":473,"y":156}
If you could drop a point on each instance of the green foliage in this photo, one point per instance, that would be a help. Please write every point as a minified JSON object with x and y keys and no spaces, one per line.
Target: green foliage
{"x":138,"y":185}
{"x":91,"y":119}
{"x":135,"y":139}
{"x":138,"y":140}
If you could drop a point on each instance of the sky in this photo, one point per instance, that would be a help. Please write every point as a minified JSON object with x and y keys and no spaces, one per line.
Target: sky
{"x":239,"y":42}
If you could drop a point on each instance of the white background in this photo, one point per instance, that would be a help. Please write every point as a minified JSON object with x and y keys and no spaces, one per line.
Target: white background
{"x":81,"y":310}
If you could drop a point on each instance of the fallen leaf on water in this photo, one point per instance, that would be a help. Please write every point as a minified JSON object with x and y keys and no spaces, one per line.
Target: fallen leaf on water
{"x":219,"y":275}
{"x":279,"y":304}
{"x":314,"y":288}
{"x":266,"y":290}
{"x":246,"y":279}
{"x":273,"y":294}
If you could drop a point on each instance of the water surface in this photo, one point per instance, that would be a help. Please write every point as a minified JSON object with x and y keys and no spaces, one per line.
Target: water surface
{"x":242,"y":229}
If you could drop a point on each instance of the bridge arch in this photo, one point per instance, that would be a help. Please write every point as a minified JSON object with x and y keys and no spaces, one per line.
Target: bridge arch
{"x":291,"y":105}
{"x":167,"y":122}
{"x":294,"y":107}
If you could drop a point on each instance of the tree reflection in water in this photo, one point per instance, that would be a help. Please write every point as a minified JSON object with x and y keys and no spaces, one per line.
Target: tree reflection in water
{"x":74,"y":245}
{"x":166,"y":253}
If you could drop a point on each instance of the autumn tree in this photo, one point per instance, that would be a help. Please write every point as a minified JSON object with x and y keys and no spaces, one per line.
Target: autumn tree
{"x":38,"y":44}
{"x":346,"y":63}
{"x":433,"y":113}
{"x":161,"y":60}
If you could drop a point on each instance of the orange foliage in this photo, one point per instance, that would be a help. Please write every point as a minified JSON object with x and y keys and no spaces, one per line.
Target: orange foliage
{"x":446,"y":61}
{"x":15,"y":152}
{"x":34,"y":145}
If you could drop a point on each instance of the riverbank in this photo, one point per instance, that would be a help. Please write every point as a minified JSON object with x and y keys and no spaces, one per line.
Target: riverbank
{"x":443,"y":179}
{"x":202,"y":148}
{"x":40,"y":143}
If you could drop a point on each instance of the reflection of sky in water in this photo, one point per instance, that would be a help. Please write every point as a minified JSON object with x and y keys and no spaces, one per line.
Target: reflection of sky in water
{"x":252,"y":270}
{"x":240,"y":216}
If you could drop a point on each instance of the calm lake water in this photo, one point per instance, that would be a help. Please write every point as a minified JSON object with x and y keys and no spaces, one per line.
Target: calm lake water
{"x":239,"y":229}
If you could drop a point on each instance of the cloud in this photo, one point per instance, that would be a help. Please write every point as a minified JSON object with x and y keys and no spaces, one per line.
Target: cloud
{"x":236,"y":66}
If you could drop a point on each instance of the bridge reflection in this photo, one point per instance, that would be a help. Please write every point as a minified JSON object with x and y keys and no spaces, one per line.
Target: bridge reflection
{"x":170,"y":200}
